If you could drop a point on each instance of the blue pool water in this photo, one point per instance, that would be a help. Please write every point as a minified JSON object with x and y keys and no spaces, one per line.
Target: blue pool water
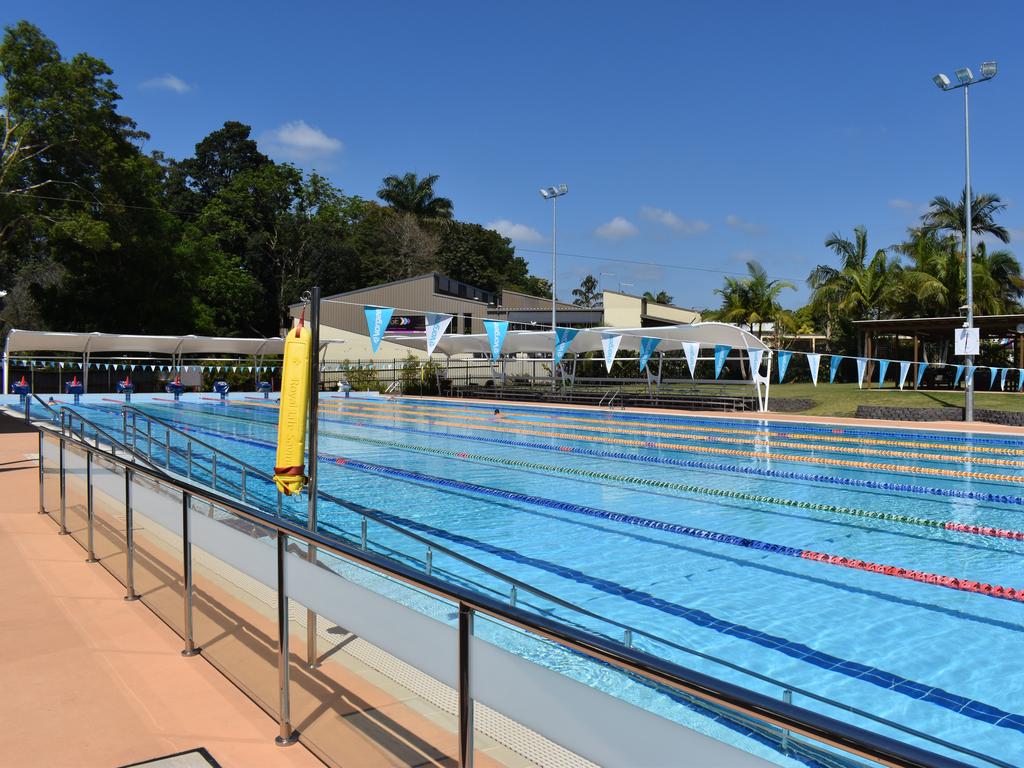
{"x":710,"y":567}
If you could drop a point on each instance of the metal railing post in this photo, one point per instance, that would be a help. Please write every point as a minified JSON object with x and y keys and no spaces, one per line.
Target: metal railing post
{"x":465,"y":696}
{"x":213,"y":470}
{"x":63,"y":492}
{"x":188,"y":452}
{"x":90,"y":512}
{"x":186,"y":550}
{"x":124,"y":426}
{"x":787,"y":696}
{"x":362,"y":533}
{"x":243,"y":483}
{"x":286,"y":736}
{"x":429,"y":569}
{"x":312,"y":522}
{"x":42,"y":501}
{"x":167,"y":447}
{"x":149,"y":440}
{"x":28,"y":409}
{"x":129,"y":538}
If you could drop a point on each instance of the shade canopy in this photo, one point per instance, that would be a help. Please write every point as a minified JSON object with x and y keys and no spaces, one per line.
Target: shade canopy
{"x":708,"y":335}
{"x":91,"y":343}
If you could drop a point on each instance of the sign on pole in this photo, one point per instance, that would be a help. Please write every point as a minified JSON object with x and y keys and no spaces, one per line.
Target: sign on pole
{"x":966,"y":341}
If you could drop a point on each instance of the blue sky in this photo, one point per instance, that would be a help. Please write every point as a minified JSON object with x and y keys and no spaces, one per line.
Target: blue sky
{"x":691,"y":135}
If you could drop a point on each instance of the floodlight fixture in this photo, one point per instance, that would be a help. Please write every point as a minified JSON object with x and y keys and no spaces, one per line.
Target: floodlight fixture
{"x":989,"y":69}
{"x":941,"y":80}
{"x":964,"y":75}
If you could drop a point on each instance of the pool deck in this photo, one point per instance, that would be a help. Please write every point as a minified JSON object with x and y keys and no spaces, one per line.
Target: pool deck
{"x":90,"y":680}
{"x":782,"y":418}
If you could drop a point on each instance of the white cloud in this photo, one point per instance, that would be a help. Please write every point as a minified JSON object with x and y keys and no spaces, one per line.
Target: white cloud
{"x":518,"y":232}
{"x":298,"y":140}
{"x":742,"y":225}
{"x":168,"y":83}
{"x":903,"y":205}
{"x":675,"y":223}
{"x":616,"y":229}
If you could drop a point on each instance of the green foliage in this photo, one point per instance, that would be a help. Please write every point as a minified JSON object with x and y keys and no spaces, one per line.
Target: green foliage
{"x":410,"y":194}
{"x":753,"y":300}
{"x":587,"y":294}
{"x":660,"y":298}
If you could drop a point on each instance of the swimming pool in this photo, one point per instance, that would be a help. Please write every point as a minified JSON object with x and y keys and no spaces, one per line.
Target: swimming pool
{"x":855,"y":563}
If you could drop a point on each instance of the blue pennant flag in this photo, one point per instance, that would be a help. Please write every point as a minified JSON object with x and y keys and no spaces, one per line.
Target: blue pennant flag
{"x":883,"y":366}
{"x":377,"y":319}
{"x":496,"y":330}
{"x":1002,"y":378}
{"x":721,"y":353}
{"x":1020,"y":379}
{"x":993,"y":373}
{"x":969,"y":373}
{"x":813,"y":362}
{"x":920,"y":373}
{"x":783,"y":356}
{"x":563,"y":338}
{"x":833,"y":367}
{"x":647,"y":347}
{"x":959,"y":373}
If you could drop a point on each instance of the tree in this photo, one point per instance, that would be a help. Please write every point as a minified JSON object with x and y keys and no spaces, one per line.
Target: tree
{"x":661,"y":298}
{"x":946,"y":217}
{"x":753,"y":300}
{"x":410,"y":194}
{"x":587,"y":295}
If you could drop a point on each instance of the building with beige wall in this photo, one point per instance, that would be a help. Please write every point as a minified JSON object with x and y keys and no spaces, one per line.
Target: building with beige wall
{"x":343,"y":322}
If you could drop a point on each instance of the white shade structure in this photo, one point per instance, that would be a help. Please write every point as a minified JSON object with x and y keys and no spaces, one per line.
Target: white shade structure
{"x":708,"y":335}
{"x":86,"y":344}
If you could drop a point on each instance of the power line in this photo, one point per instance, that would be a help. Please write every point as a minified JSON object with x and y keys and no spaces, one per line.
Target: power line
{"x":652,"y":264}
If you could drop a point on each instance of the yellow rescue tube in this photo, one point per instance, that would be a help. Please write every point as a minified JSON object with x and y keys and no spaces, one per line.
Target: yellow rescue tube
{"x":290,"y":470}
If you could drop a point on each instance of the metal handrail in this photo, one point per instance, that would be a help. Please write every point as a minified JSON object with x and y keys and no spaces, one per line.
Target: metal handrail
{"x":517,"y":585}
{"x":788,"y":717}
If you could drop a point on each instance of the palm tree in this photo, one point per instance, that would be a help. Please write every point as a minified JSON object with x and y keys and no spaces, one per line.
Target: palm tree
{"x":661,"y":298}
{"x":411,"y":194}
{"x":753,"y":300}
{"x":586,"y":295}
{"x":944,"y":216}
{"x":859,"y":288}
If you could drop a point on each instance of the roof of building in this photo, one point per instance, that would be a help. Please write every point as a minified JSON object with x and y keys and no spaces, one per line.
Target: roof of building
{"x":989,"y":324}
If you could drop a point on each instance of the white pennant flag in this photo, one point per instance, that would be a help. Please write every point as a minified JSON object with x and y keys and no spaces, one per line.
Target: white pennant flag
{"x":813,"y":361}
{"x":610,"y":343}
{"x":691,"y":348}
{"x":436,"y":324}
{"x":861,"y":366}
{"x":904,"y":367}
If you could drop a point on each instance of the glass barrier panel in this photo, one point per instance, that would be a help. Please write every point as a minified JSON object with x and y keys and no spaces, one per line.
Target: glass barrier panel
{"x":381,"y":688}
{"x":75,"y":493}
{"x":159,"y":570}
{"x":109,"y":542}
{"x":234,"y":573}
{"x":51,"y":476}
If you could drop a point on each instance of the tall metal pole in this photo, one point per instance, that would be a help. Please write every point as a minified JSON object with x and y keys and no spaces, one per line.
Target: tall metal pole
{"x":969,"y":259}
{"x":554,"y":284}
{"x":314,"y":411}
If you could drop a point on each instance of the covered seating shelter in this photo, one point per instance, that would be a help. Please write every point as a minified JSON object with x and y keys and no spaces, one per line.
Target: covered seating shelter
{"x":171,"y":347}
{"x":707,"y":335}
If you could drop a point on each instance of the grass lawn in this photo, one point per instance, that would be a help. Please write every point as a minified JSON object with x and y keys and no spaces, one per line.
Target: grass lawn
{"x":843,"y":399}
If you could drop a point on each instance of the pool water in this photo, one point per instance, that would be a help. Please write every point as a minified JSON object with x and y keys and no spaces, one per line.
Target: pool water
{"x":772,"y":546}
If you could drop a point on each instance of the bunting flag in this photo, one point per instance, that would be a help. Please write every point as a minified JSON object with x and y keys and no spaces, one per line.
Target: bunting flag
{"x":647,"y":347}
{"x":992,"y":381}
{"x":904,"y":370}
{"x":721,"y":353}
{"x":862,"y":364}
{"x":783,"y":357}
{"x":377,"y":319}
{"x":959,"y":373}
{"x":1020,"y":379}
{"x":437,"y":324}
{"x":691,"y":348}
{"x":920,"y":373}
{"x":883,"y":366}
{"x":833,"y":367}
{"x":610,"y":343}
{"x":813,"y":361}
{"x":563,"y":338}
{"x":969,"y":373}
{"x":496,"y":330}
{"x":755,"y":356}
{"x":1002,"y":379}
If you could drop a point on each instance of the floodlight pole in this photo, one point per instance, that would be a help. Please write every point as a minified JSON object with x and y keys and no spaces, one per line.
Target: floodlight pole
{"x":966,"y":80}
{"x":553,"y":193}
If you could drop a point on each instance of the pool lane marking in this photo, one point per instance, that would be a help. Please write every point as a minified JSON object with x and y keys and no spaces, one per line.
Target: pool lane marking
{"x":852,"y":482}
{"x":948,"y":525}
{"x":971,"y":708}
{"x":940,"y":580}
{"x":506,"y":428}
{"x":610,"y":424}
